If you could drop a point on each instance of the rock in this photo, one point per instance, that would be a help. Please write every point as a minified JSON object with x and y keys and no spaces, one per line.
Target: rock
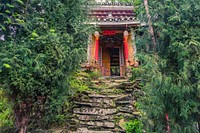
{"x":94,"y":117}
{"x":122,"y":123}
{"x":99,"y":124}
{"x":128,"y":90}
{"x":117,"y":130}
{"x":83,"y":104}
{"x":95,"y":81}
{"x":121,"y":97}
{"x":96,"y":96}
{"x":103,"y":96}
{"x":139,"y":80}
{"x":37,"y":131}
{"x":136,"y":113}
{"x":126,"y":110}
{"x":125,"y":115}
{"x":54,"y":131}
{"x":120,"y":80}
{"x":94,"y":111}
{"x":113,"y":96}
{"x":111,"y":91}
{"x":138,"y":92}
{"x":128,"y":83}
{"x":123,"y":102}
{"x":85,"y":130}
{"x":102,"y":104}
{"x":86,"y":92}
{"x":97,"y":102}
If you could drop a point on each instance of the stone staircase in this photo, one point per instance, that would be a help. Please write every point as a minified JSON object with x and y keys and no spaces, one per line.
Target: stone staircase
{"x":106,"y":108}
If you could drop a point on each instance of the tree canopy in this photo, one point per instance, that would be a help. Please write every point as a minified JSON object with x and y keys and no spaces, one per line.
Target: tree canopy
{"x":43,"y":43}
{"x":171,"y":77}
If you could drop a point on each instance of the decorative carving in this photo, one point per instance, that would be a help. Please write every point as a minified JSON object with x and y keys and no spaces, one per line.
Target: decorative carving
{"x":103,"y":3}
{"x":112,"y":12}
{"x":126,"y":36}
{"x":96,"y":35}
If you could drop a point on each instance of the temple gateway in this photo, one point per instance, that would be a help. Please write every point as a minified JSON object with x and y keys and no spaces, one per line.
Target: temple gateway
{"x":112,"y":49}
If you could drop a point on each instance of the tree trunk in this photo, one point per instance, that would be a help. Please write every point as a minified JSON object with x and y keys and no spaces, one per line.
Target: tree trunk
{"x":21,"y":120}
{"x":151,"y":31}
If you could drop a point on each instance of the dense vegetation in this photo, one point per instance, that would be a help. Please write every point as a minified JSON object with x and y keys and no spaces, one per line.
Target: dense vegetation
{"x":42,"y":44}
{"x":170,"y":74}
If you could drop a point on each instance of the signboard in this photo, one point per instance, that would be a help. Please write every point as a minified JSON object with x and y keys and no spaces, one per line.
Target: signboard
{"x":109,"y":32}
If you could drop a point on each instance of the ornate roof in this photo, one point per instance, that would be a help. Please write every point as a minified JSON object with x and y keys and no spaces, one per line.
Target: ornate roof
{"x":113,"y":14}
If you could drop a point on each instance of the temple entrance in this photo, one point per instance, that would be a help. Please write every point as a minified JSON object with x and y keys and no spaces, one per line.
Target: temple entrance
{"x":111,"y":57}
{"x":114,"y":62}
{"x":111,"y":61}
{"x":111,"y":52}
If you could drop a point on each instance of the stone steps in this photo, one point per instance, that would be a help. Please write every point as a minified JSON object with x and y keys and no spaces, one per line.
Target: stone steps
{"x":102,"y":111}
{"x":85,"y":130}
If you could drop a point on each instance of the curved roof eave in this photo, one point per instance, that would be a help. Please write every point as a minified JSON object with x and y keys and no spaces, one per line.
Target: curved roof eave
{"x":119,"y":24}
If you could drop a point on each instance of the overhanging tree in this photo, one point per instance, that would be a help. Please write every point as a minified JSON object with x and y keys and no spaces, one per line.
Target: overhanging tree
{"x":171,"y":83}
{"x":44,"y":43}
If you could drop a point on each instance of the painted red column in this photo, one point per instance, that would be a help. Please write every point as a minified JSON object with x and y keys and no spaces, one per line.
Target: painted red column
{"x":96,"y":34}
{"x":126,"y":45}
{"x":97,"y":50}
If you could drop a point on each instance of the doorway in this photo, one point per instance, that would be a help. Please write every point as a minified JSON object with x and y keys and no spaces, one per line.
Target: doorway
{"x":111,"y":57}
{"x":114,"y":62}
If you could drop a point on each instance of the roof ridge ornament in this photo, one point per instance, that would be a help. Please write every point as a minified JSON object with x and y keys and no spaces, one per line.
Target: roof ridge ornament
{"x":110,"y":3}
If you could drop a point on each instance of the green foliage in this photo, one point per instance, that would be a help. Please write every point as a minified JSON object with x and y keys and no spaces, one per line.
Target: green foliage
{"x":171,"y":78}
{"x":170,"y":95}
{"x":134,"y":126}
{"x":79,"y":82}
{"x":94,"y":74}
{"x":5,"y":111}
{"x":44,"y":45}
{"x":136,"y":73}
{"x":78,"y":85}
{"x":124,"y":1}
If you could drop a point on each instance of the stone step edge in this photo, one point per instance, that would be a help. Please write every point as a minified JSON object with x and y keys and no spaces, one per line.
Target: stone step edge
{"x":102,"y":96}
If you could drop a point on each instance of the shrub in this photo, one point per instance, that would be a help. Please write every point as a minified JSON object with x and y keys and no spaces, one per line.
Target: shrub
{"x":94,"y":74}
{"x":134,"y":126}
{"x":44,"y":44}
{"x":6,"y":115}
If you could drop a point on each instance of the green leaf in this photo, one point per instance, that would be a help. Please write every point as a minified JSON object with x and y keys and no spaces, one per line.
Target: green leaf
{"x":7,"y":66}
{"x":10,"y":5}
{"x":7,"y":11}
{"x":34,"y":35}
{"x":52,"y":30}
{"x":3,"y":28}
{"x":20,"y":1}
